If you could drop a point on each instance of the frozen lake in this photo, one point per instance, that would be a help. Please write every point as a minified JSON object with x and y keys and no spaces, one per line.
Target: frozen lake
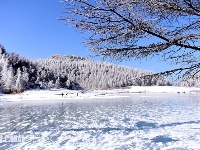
{"x":141,"y":121}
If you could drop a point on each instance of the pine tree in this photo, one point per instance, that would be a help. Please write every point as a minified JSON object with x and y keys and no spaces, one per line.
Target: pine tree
{"x":57,"y":84}
{"x":19,"y":81}
{"x":7,"y":79}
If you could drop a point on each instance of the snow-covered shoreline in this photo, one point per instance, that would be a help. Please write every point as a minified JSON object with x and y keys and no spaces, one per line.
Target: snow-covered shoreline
{"x":57,"y":94}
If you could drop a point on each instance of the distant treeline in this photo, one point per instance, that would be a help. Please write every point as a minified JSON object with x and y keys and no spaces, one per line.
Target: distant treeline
{"x":18,"y":74}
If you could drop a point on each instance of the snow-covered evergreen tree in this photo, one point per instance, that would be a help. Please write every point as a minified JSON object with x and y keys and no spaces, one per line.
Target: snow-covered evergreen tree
{"x":7,"y":79}
{"x":2,"y":49}
{"x":19,"y":81}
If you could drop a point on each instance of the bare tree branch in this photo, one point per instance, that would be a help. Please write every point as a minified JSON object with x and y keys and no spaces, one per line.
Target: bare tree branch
{"x":141,"y":28}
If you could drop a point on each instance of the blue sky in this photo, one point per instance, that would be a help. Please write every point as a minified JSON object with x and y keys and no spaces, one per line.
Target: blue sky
{"x":31,"y":29}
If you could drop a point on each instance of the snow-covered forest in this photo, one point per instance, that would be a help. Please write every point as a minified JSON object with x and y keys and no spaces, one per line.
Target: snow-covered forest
{"x":18,"y":74}
{"x":190,"y":82}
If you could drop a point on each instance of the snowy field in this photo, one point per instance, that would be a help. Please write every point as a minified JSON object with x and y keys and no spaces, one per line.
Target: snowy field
{"x":133,"y":118}
{"x":77,"y":94}
{"x":141,"y":121}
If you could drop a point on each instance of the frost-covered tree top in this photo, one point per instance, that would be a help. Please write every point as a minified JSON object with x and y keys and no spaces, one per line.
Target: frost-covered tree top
{"x":2,"y":49}
{"x":126,"y":29}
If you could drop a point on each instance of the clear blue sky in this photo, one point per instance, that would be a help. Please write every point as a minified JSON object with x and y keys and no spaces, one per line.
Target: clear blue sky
{"x":31,"y":29}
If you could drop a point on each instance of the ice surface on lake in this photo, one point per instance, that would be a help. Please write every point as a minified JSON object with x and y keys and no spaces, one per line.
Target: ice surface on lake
{"x":142,"y":121}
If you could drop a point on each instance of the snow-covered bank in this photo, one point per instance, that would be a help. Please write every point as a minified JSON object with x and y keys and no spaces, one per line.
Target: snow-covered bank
{"x":56,"y":94}
{"x":162,"y":89}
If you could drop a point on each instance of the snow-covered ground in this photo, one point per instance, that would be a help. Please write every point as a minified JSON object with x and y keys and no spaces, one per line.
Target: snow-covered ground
{"x":81,"y":94}
{"x":142,"y":121}
{"x":163,"y":89}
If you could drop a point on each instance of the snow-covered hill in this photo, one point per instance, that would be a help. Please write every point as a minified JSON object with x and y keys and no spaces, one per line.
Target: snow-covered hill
{"x":19,"y":74}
